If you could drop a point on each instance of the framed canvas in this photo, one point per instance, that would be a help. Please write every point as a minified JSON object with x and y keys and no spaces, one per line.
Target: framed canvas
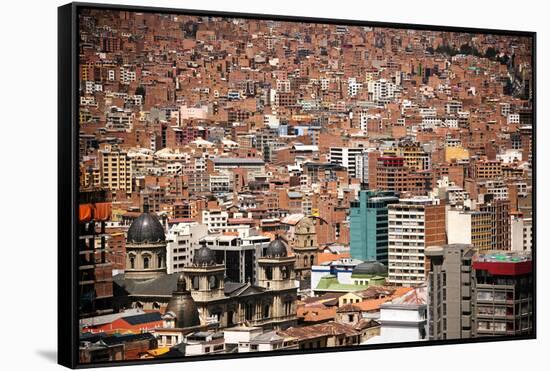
{"x":244,"y":185}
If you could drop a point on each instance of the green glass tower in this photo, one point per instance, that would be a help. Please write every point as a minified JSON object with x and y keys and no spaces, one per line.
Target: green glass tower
{"x":369,"y":225}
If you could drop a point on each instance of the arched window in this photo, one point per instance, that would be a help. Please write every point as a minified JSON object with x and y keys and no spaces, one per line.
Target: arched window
{"x":305,"y":260}
{"x":159,"y":259}
{"x":132,"y":262}
{"x":266,"y":310}
{"x":146,"y":262}
{"x":195,"y":283}
{"x":311,"y":260}
{"x":269,"y":273}
{"x":213,"y":282}
{"x":249,"y":311}
{"x":284,"y":272}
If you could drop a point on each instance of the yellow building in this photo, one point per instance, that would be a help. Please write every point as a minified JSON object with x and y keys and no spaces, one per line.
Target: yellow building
{"x":116,"y":169}
{"x":481,"y":231}
{"x":415,"y":156}
{"x":456,"y":153}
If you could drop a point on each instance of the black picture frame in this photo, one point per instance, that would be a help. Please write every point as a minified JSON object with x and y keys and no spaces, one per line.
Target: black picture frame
{"x":68,"y":182}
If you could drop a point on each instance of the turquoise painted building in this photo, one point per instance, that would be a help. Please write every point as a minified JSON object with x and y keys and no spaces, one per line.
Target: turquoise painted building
{"x":369,"y":225}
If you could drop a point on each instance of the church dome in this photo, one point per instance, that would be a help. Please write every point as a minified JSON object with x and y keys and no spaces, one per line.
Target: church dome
{"x":372,"y":268}
{"x":146,"y":228}
{"x":204,"y":256}
{"x":183,"y":306}
{"x":276,"y":248}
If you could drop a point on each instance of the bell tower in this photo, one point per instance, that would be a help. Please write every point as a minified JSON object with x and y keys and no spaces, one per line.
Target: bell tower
{"x":278,"y":277}
{"x":276,"y":267}
{"x":205,"y":278}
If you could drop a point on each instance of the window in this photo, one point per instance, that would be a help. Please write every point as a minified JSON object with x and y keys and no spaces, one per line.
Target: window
{"x":266,"y":310}
{"x":213,"y":282}
{"x":284,"y":272}
{"x":249,"y":311}
{"x":195,"y":283}
{"x":146,"y":262}
{"x":132,"y":262}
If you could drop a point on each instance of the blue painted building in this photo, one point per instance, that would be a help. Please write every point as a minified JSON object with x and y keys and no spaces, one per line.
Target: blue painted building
{"x":369,"y":225}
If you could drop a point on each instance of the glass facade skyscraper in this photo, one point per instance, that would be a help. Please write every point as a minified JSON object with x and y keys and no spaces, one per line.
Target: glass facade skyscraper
{"x":369,"y":225}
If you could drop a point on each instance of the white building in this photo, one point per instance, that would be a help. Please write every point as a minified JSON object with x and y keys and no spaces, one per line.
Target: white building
{"x":510,"y":156}
{"x":521,"y":233}
{"x":407,"y":238}
{"x":215,"y":218}
{"x":221,"y":182}
{"x":348,"y":158}
{"x":202,"y":343}
{"x":240,"y":337}
{"x":403,"y":319}
{"x":381,"y":90}
{"x":354,"y":86}
{"x":183,"y":239}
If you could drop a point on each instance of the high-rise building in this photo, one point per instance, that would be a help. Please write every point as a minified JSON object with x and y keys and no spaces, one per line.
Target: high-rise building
{"x":389,"y":173}
{"x":95,"y":278}
{"x":450,"y":291}
{"x":469,"y":227}
{"x":500,"y":222}
{"x":116,"y":170}
{"x":476,"y":295}
{"x":413,"y":225}
{"x":503,"y":295}
{"x":369,"y":225}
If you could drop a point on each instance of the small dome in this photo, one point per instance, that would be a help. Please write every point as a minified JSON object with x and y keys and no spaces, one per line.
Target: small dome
{"x":373,"y":268}
{"x":276,"y":248}
{"x":146,"y":228}
{"x":183,"y":306}
{"x":204,"y":256}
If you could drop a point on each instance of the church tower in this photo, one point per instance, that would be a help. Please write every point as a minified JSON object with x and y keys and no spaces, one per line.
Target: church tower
{"x":276,"y":274}
{"x":305,"y":246}
{"x":205,"y":279}
{"x":145,"y":248}
{"x":276,"y":267}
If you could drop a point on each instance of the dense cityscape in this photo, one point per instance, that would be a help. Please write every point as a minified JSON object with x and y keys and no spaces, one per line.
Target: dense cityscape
{"x":258,"y":185}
